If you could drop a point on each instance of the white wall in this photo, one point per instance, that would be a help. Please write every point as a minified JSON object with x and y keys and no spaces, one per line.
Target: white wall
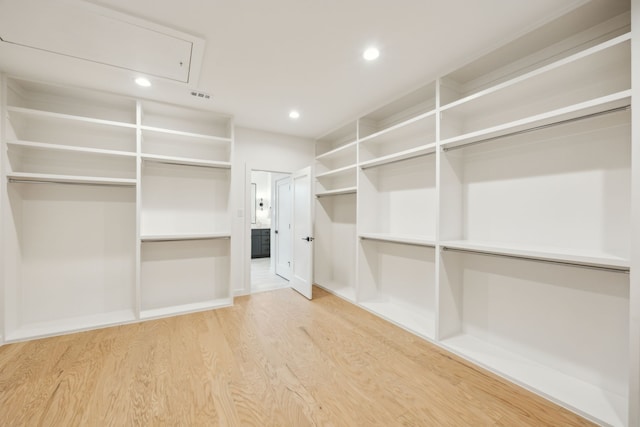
{"x":257,"y":150}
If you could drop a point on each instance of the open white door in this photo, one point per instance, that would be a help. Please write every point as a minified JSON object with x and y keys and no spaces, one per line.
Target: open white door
{"x":282,"y":220}
{"x":302,"y":256}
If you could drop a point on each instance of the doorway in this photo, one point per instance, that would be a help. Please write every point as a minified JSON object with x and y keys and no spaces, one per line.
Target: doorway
{"x":270,"y":230}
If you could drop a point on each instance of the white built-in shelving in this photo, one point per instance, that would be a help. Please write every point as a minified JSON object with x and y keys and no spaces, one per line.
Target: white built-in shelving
{"x":184,"y":210}
{"x":494,"y":213}
{"x":396,"y":280}
{"x":109,"y":203}
{"x":335,"y":213}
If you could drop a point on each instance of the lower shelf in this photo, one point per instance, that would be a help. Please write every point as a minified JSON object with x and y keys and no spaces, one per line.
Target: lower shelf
{"x":587,"y":399}
{"x":417,"y":321}
{"x":340,"y":289}
{"x":185,"y":308}
{"x":70,"y":325}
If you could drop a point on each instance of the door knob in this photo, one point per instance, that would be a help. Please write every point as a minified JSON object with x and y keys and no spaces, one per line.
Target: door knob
{"x":308,"y":239}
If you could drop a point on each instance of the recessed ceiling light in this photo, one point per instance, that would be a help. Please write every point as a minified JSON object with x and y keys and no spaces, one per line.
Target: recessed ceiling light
{"x":371,"y":53}
{"x":294,"y":114}
{"x":143,"y":81}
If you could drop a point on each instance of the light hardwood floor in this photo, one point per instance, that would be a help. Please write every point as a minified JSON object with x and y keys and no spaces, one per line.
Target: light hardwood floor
{"x":274,"y":359}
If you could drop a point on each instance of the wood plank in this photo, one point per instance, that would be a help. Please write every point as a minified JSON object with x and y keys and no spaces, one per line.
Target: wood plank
{"x":273,"y":359}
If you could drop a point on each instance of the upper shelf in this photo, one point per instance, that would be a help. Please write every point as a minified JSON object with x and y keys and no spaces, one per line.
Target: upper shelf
{"x":399,"y":156}
{"x":335,"y":142}
{"x":584,"y":109}
{"x":341,"y":150}
{"x":610,"y":52}
{"x":422,"y":126}
{"x":185,"y":134}
{"x":187,"y":122}
{"x":414,"y":104}
{"x":185,"y":161}
{"x":334,"y":173}
{"x":70,"y":148}
{"x":70,"y":103}
{"x":600,"y":260}
{"x":61,"y":116}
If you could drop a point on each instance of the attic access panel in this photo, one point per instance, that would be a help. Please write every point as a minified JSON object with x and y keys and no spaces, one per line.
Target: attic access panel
{"x":86,"y":31}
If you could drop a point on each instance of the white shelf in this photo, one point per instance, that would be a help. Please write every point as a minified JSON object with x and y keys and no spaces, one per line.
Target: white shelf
{"x":419,"y":125}
{"x":336,"y":151}
{"x":176,"y":237}
{"x":73,"y":324}
{"x":585,"y":398}
{"x":60,"y":116}
{"x":540,"y":71}
{"x":539,"y":253}
{"x":398,"y":238}
{"x":340,"y":289}
{"x":403,"y":315}
{"x":69,"y":179}
{"x":337,"y":192}
{"x":70,"y":148}
{"x":158,"y":158}
{"x":187,"y":134}
{"x":411,"y":153}
{"x":598,"y":105}
{"x":185,"y":308}
{"x":337,"y":172}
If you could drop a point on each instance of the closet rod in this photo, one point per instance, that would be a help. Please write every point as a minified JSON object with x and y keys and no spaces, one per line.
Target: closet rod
{"x":182,"y":239}
{"x":547,"y":261}
{"x":35,"y":181}
{"x":541,"y":127}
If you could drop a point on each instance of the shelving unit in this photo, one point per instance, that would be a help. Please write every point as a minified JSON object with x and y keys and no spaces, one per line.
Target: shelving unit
{"x":494,"y":213}
{"x":534,"y":324}
{"x":184,"y":276}
{"x":103,"y":226}
{"x":184,"y":210}
{"x":408,"y":113}
{"x":335,"y":213}
{"x":397,"y":282}
{"x":399,"y":198}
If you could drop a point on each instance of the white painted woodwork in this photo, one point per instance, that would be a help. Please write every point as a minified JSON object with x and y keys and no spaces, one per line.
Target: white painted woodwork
{"x":335,"y":213}
{"x":104,"y":227}
{"x":302,"y":234}
{"x":494,"y":210}
{"x":282,"y":228}
{"x":396,"y":281}
{"x":183,"y":273}
{"x":634,"y":235}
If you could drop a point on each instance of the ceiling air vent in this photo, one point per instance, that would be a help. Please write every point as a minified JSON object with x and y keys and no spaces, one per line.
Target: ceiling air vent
{"x":200,"y":94}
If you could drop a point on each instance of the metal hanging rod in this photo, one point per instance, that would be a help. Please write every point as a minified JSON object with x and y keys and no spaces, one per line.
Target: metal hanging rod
{"x":30,"y":181}
{"x":182,"y":239}
{"x":546,"y":261}
{"x":541,"y":127}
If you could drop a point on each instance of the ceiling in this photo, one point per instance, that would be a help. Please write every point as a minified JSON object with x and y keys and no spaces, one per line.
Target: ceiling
{"x":263,"y":58}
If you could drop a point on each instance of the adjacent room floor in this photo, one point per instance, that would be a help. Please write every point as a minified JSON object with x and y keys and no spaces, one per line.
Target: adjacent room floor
{"x":262,"y":278}
{"x":273,"y":359}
